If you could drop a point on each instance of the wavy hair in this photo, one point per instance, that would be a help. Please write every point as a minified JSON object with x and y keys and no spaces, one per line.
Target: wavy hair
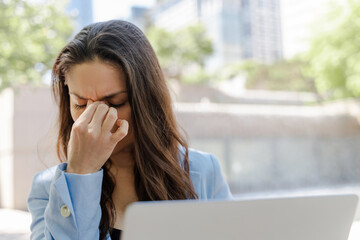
{"x":161,"y":173}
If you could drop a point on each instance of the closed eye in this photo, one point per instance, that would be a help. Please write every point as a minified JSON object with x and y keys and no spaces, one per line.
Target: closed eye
{"x":110,"y":105}
{"x":79,"y":106}
{"x":116,"y":105}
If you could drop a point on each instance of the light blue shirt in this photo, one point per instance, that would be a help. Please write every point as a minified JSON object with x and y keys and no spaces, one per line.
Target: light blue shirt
{"x":54,"y":191}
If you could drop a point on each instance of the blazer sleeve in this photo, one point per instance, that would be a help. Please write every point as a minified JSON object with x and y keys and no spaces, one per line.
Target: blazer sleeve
{"x":68,"y":209}
{"x":220,"y":189}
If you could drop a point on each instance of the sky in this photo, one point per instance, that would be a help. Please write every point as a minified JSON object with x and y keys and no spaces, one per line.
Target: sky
{"x":109,"y":9}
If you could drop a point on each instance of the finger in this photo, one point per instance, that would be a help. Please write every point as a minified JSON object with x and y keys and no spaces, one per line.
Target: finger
{"x":110,"y":120}
{"x":121,"y":132}
{"x":99,"y":115}
{"x":87,"y":115}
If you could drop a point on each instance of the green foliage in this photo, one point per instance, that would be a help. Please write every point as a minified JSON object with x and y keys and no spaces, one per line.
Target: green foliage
{"x":287,"y":75}
{"x":164,"y":44}
{"x":181,"y":49}
{"x":335,"y":53}
{"x":194,"y":45}
{"x":197,"y":77}
{"x":31,"y":34}
{"x":232,"y":70}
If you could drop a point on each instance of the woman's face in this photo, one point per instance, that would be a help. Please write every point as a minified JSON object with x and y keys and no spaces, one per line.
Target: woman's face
{"x":100,"y":81}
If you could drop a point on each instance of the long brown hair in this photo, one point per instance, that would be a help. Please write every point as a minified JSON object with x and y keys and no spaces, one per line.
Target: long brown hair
{"x":161,"y":167}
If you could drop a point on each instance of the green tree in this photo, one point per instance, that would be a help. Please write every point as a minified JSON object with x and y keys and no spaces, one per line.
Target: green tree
{"x":179,"y":50}
{"x":286,"y":75}
{"x":31,"y":34}
{"x":335,"y":52}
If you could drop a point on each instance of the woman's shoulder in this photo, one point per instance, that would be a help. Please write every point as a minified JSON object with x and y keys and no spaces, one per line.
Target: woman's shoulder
{"x":200,"y":161}
{"x":207,"y":176}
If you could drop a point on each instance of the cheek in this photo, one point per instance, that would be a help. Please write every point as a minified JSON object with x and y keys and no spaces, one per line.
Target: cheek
{"x":75,"y":113}
{"x":126,"y":114}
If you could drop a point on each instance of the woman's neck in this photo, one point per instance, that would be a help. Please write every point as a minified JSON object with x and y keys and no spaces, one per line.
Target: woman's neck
{"x":122,"y":162}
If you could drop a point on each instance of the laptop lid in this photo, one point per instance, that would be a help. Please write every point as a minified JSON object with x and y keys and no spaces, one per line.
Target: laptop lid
{"x":297,"y":218}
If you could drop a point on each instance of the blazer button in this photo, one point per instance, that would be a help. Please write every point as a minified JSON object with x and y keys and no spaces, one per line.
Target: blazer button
{"x":65,"y":211}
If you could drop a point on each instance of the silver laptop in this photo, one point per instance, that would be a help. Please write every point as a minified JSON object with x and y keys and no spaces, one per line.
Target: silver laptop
{"x":288,"y":218}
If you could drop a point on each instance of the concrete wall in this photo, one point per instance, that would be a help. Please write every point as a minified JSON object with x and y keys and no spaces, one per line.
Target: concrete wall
{"x":268,"y":148}
{"x":262,"y":148}
{"x":6,"y":148}
{"x":28,"y":124}
{"x":271,"y":151}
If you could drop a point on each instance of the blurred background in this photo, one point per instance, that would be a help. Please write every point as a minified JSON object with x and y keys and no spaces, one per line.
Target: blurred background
{"x":270,"y":87}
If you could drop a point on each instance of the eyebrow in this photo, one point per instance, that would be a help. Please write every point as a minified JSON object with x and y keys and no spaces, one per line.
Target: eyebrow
{"x":105,"y":97}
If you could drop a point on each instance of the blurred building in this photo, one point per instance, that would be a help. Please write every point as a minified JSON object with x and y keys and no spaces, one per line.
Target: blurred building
{"x":298,"y":19}
{"x":240,"y":29}
{"x":139,"y":16}
{"x":82,"y":12}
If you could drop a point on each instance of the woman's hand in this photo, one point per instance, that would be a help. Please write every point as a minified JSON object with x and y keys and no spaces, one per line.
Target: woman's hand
{"x":91,"y":140}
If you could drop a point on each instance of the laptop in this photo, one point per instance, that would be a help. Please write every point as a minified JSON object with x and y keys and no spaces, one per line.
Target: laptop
{"x":326,"y":217}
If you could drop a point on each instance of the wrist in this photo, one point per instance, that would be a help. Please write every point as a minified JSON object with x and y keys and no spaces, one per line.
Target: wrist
{"x":71,"y":169}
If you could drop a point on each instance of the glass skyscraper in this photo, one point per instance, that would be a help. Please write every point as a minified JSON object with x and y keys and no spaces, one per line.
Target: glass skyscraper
{"x":240,"y":29}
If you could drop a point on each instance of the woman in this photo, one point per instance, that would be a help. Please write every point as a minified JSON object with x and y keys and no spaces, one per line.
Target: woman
{"x":118,"y":139}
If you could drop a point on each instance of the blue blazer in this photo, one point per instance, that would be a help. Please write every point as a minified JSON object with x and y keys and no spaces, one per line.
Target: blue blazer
{"x":67,"y":206}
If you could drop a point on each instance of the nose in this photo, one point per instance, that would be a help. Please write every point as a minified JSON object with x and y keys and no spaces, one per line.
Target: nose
{"x":89,"y":102}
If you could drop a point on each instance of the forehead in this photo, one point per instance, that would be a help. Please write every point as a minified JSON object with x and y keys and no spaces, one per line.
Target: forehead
{"x":95,"y":79}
